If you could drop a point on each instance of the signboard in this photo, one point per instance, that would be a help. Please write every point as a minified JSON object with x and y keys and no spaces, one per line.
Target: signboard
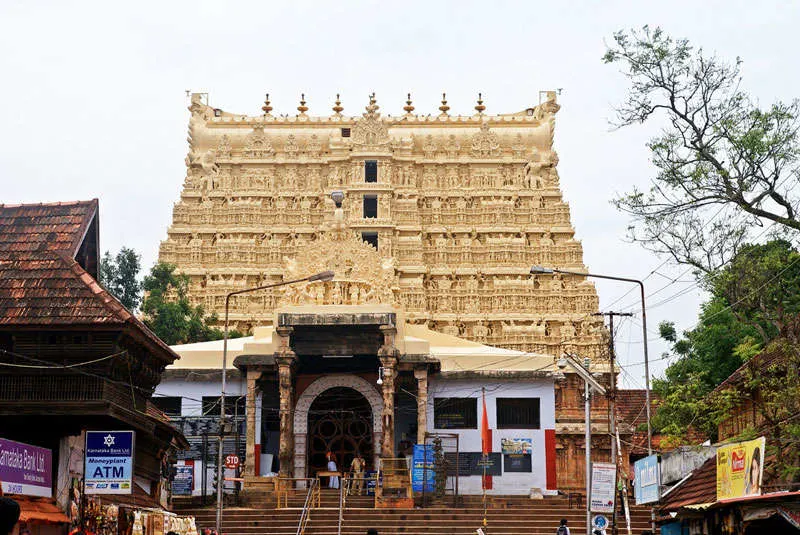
{"x":647,"y":480}
{"x":231,"y":461}
{"x":108,"y":465}
{"x":740,"y":467}
{"x":600,"y":522}
{"x":422,"y":479}
{"x":183,"y":484}
{"x":517,"y":462}
{"x":471,"y":464}
{"x":516,"y":445}
{"x":26,"y":469}
{"x":604,"y":479}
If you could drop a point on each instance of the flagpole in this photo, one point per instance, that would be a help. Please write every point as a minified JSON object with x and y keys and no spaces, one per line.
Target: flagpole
{"x":485,"y":448}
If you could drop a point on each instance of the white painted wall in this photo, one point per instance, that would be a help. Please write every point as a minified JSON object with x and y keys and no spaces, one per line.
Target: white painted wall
{"x":470,"y":439}
{"x":192,"y":393}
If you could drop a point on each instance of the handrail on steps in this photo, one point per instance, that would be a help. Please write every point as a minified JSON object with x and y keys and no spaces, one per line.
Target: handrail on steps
{"x":343,"y":491}
{"x":305,"y":514}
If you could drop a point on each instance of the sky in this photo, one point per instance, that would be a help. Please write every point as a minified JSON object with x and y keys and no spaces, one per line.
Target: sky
{"x":95,"y":100}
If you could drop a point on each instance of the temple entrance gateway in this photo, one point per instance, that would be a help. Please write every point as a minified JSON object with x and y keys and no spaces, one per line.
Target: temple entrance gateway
{"x":340,"y":421}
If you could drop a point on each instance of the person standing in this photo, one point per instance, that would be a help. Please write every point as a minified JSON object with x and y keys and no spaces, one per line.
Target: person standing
{"x":357,"y":471}
{"x":333,"y":481}
{"x":562,"y":528}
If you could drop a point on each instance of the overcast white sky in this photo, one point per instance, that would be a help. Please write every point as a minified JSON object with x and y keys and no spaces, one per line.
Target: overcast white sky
{"x":95,"y":105}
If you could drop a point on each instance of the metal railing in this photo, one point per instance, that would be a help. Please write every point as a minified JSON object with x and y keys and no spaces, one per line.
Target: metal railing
{"x":343,"y":492}
{"x":305,"y":514}
{"x":284,"y":486}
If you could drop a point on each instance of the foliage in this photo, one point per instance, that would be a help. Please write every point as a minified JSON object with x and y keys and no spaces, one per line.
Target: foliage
{"x":119,"y":276}
{"x":168,"y":312}
{"x":724,"y":165}
{"x":754,"y":300}
{"x":769,"y":389}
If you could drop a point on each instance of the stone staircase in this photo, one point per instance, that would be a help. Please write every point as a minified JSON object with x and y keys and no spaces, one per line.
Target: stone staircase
{"x":511,"y":515}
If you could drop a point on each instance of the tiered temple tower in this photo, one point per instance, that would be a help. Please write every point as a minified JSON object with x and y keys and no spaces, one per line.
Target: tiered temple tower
{"x":460,"y":206}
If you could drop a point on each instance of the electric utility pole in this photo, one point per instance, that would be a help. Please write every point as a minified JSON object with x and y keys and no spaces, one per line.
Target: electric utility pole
{"x":612,"y":398}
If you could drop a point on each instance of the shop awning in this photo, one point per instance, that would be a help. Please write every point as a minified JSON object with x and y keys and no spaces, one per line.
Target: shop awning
{"x":33,"y":510}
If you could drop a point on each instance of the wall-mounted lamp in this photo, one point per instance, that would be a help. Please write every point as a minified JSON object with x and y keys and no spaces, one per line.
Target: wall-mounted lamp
{"x":380,"y":376}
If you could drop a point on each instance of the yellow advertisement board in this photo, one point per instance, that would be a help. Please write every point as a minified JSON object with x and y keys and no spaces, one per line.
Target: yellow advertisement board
{"x":740,"y":467}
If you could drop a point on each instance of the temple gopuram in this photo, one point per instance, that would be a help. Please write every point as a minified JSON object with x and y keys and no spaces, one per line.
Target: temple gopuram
{"x":431,"y":224}
{"x":461,"y":206}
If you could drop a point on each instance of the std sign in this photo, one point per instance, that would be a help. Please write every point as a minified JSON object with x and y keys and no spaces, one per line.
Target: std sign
{"x":108,"y":467}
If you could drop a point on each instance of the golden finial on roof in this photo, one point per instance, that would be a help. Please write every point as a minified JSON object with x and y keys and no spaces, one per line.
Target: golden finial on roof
{"x":408,"y":107}
{"x":337,"y":108}
{"x":302,"y":108}
{"x":266,"y":107}
{"x":373,"y":107}
{"x":480,"y":107}
{"x":444,"y":107}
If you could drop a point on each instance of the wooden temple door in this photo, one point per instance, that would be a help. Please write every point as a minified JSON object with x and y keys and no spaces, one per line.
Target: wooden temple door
{"x":340,"y":421}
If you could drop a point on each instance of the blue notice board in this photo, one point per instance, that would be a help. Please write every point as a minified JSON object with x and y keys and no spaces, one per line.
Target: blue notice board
{"x":647,"y":479}
{"x":108,"y":462}
{"x":422,"y":479}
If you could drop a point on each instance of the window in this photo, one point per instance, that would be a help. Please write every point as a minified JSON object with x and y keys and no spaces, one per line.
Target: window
{"x":518,"y":413}
{"x":371,"y":171}
{"x":371,"y":238}
{"x":345,"y":132}
{"x":455,"y":413}
{"x":370,"y":206}
{"x":234,"y":405}
{"x":169,"y":405}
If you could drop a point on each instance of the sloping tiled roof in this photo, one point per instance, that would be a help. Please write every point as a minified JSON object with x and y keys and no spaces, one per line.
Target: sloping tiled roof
{"x":41,"y":284}
{"x":760,"y":362}
{"x":630,"y":405}
{"x":700,"y":487}
{"x":45,"y":227}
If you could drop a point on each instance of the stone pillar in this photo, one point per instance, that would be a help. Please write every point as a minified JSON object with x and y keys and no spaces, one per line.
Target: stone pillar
{"x":285,"y":358}
{"x":421,"y":374}
{"x":388,"y":357}
{"x":252,"y":429}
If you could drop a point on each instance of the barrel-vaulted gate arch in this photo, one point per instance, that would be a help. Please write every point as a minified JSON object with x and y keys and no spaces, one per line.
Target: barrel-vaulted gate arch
{"x":359,"y":384}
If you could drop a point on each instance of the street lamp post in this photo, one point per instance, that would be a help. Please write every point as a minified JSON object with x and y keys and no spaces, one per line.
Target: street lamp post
{"x":590,"y":384}
{"x":323,"y":276}
{"x":544,"y":270}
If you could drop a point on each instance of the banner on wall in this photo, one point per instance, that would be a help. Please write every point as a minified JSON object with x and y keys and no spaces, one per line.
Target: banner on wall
{"x":183,"y":484}
{"x":740,"y":468}
{"x":517,"y":445}
{"x":25,"y":469}
{"x":604,"y":484}
{"x":108,"y":465}
{"x":647,"y":480}
{"x":422,"y":475}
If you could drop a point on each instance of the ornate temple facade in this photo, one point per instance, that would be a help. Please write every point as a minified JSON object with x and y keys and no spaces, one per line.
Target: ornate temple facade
{"x":459,"y":209}
{"x":429,"y":222}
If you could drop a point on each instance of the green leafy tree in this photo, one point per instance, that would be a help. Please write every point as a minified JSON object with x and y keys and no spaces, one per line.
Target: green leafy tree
{"x":119,"y":275}
{"x":754,"y":301}
{"x":168,"y":312}
{"x":724,"y":165}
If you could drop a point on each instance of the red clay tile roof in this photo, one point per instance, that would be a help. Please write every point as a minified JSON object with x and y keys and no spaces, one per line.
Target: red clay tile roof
{"x":701,"y":487}
{"x":760,"y":362}
{"x":41,"y":284}
{"x":40,"y":227}
{"x":631,"y":406}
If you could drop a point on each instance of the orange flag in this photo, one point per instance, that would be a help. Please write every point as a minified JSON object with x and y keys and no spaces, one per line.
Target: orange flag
{"x":486,"y":434}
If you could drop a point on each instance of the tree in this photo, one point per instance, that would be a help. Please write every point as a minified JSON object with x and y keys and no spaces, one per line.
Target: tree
{"x":119,"y":275}
{"x":724,"y":165}
{"x":170,"y":315}
{"x":754,"y":301}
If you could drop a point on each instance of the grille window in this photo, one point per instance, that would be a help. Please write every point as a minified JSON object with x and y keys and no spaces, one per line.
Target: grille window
{"x":455,"y":413}
{"x":518,"y":413}
{"x":169,"y":405}
{"x":345,"y":132}
{"x":371,"y":171}
{"x":371,"y":238}
{"x":370,"y":206}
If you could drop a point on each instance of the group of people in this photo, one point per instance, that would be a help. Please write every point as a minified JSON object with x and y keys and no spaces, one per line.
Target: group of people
{"x":357,"y":469}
